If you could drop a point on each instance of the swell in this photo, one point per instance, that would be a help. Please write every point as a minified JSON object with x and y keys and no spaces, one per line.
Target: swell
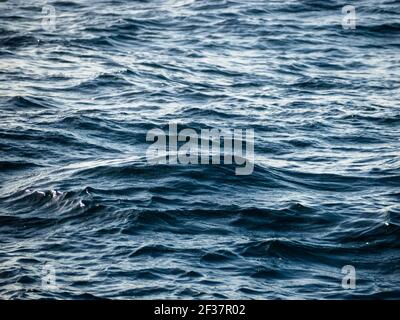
{"x":77,"y":191}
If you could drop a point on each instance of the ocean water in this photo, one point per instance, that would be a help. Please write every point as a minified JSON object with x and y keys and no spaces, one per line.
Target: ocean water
{"x":84,"y":215}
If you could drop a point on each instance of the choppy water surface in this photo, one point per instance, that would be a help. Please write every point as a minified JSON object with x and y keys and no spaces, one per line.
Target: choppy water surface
{"x":76,"y":190}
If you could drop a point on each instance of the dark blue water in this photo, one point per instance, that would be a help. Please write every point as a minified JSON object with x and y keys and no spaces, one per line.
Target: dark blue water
{"x":78,"y":194}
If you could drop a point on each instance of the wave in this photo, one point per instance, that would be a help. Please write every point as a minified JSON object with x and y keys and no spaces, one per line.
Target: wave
{"x":77,"y":192}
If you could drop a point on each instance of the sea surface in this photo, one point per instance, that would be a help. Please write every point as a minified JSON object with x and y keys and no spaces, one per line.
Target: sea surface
{"x":84,"y":215}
